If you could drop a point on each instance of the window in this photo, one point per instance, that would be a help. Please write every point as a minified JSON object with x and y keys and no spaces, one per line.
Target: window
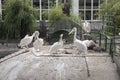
{"x":88,"y":4}
{"x":95,"y":15}
{"x":88,"y":15}
{"x":89,"y":9}
{"x":95,"y":4}
{"x":41,"y":9}
{"x":81,"y":13}
{"x":81,"y":4}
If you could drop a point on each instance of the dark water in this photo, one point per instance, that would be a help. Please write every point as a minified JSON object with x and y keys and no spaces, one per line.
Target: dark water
{"x":4,"y":53}
{"x":7,"y":49}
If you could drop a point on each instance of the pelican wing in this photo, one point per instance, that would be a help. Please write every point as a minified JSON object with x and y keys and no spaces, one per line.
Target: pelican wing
{"x":25,"y":41}
{"x":26,"y":36}
{"x":80,"y":45}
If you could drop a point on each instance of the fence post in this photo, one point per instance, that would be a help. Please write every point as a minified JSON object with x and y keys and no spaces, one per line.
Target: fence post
{"x":111,"y":49}
{"x":105,"y":43}
{"x":100,"y":40}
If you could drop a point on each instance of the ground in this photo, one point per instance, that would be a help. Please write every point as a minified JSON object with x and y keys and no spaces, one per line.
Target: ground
{"x":27,"y":66}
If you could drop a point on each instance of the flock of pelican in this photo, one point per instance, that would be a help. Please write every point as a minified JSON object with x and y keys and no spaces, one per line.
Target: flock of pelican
{"x":38,"y":42}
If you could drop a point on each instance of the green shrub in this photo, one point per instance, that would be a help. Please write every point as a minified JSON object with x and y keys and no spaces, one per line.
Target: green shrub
{"x":19,"y":18}
{"x":56,"y":13}
{"x":112,"y":8}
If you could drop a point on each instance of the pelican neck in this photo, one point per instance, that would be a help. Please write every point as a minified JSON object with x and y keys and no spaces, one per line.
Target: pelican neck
{"x":75,"y":33}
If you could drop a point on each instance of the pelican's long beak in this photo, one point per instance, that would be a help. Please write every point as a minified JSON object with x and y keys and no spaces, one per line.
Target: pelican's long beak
{"x":71,"y":32}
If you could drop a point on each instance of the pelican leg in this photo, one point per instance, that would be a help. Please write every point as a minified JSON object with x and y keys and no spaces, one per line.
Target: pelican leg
{"x":26,"y":47}
{"x":23,"y":47}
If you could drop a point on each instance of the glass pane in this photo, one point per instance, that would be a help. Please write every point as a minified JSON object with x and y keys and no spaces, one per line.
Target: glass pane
{"x":95,"y":4}
{"x":52,"y":3}
{"x":101,"y":1}
{"x":44,"y":4}
{"x":81,"y":13}
{"x":63,"y":1}
{"x":95,"y":15}
{"x":88,"y":4}
{"x":88,"y":15}
{"x":36,"y":3}
{"x":2,"y":3}
{"x":81,"y":4}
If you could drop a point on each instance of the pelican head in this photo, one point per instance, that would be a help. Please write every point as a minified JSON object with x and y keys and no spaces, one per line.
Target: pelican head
{"x":73,"y":30}
{"x":119,"y":34}
{"x":36,"y":34}
{"x":61,"y":35}
{"x":85,"y":21}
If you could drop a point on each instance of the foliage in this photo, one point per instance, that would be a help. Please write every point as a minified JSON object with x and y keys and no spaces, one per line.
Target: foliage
{"x":112,"y":8}
{"x":19,"y":19}
{"x":45,"y":15}
{"x":0,"y":24}
{"x":2,"y":30}
{"x":75,"y":19}
{"x":0,"y":20}
{"x":56,"y":13}
{"x":36,"y":14}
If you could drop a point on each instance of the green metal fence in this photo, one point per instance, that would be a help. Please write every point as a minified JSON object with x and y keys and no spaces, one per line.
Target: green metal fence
{"x":109,"y":40}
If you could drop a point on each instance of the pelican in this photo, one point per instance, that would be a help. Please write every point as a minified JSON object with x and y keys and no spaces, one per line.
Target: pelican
{"x":57,"y":45}
{"x":78,"y":43}
{"x":80,"y":46}
{"x":26,"y":41}
{"x":38,"y":42}
{"x":86,"y":27}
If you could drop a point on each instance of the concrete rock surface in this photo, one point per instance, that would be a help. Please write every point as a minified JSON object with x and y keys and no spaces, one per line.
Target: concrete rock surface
{"x":29,"y":67}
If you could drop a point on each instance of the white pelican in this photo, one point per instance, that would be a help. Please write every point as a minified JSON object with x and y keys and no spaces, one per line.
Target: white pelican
{"x":26,"y":41}
{"x":57,"y":45}
{"x":80,"y":46}
{"x":38,"y":42}
{"x":86,"y":27}
{"x":78,"y":43}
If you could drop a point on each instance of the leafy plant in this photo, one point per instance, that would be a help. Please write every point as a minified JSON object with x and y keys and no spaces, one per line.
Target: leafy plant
{"x":112,"y":8}
{"x":19,"y":19}
{"x":0,"y":20}
{"x":56,"y":13}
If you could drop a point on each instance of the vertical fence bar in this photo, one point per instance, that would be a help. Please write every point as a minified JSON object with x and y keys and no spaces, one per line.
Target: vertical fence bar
{"x":114,"y":33}
{"x":111,"y":49}
{"x":105,"y":43}
{"x":100,"y":40}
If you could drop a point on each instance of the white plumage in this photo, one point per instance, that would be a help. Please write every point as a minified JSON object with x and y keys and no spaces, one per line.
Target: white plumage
{"x":57,"y":45}
{"x":38,"y":42}
{"x":26,"y":41}
{"x":119,"y":34}
{"x":86,"y":42}
{"x":78,"y":43}
{"x":86,"y":27}
{"x":89,"y":43}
